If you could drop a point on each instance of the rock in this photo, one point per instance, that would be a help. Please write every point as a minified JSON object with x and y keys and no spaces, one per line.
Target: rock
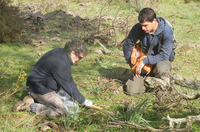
{"x":44,"y":128}
{"x":53,"y":125}
{"x":98,"y":51}
{"x":57,"y":39}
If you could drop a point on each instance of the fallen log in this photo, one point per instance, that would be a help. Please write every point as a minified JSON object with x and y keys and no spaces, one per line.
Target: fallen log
{"x":177,"y":79}
{"x":185,"y":82}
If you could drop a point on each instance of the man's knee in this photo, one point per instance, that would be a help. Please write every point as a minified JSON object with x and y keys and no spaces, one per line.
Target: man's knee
{"x":60,"y":112}
{"x":162,"y":67}
{"x":134,"y":87}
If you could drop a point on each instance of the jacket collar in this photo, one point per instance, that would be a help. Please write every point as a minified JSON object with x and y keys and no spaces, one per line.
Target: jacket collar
{"x":68,"y":57}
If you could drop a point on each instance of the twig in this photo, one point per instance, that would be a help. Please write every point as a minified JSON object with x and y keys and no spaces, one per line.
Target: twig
{"x":144,"y":127}
{"x":16,"y":90}
{"x":113,"y":23}
{"x":104,"y":113}
{"x":6,"y":70}
{"x":168,"y":105}
{"x":187,"y":97}
{"x":127,"y":31}
{"x":136,"y":126}
{"x":3,"y":92}
{"x":100,"y":16}
{"x":106,"y":50}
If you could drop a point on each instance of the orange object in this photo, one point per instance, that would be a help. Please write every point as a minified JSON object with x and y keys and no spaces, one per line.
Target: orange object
{"x":95,"y":107}
{"x":136,"y":56}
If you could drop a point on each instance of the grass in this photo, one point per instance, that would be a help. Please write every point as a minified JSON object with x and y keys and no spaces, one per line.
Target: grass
{"x":183,"y":17}
{"x":189,"y":66}
{"x":98,"y":75}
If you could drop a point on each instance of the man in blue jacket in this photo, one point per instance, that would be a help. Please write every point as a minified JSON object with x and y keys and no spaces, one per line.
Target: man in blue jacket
{"x":161,"y":56}
{"x":50,"y":74}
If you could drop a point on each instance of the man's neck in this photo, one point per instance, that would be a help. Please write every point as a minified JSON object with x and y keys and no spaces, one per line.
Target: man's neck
{"x":155,"y":27}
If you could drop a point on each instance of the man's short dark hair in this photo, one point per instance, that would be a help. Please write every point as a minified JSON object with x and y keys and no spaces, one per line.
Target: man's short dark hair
{"x":76,"y":46}
{"x":146,"y":14}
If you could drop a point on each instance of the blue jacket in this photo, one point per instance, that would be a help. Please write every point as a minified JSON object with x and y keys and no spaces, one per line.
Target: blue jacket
{"x":52,"y":71}
{"x":137,"y":33}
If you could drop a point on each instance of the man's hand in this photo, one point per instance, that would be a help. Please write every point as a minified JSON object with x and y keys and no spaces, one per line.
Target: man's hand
{"x":139,"y":69}
{"x":88,"y":103}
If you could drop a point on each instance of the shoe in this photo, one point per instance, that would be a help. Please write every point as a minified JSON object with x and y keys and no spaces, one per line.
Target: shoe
{"x":23,"y":105}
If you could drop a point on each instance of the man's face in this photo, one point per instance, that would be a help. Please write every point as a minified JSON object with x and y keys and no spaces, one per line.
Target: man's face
{"x":76,"y":58}
{"x":148,"y":27}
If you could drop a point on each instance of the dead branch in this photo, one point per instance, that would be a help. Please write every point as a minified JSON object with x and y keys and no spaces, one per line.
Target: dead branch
{"x":153,"y":82}
{"x":144,"y":127}
{"x":113,"y":24}
{"x":162,"y":86}
{"x":106,"y":113}
{"x":174,"y":104}
{"x":126,"y":29}
{"x":133,"y":125}
{"x":16,"y":90}
{"x":125,"y":123}
{"x":105,"y":49}
{"x":185,"y":82}
{"x":178,"y":121}
{"x":136,"y":125}
{"x":99,"y":22}
{"x":187,"y":97}
{"x":147,"y":128}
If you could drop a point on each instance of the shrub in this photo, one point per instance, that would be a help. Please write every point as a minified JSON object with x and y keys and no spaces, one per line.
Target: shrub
{"x":138,"y":5}
{"x":10,"y":24}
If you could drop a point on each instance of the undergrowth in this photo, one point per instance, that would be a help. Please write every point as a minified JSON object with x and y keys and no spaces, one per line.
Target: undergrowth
{"x":11,"y":25}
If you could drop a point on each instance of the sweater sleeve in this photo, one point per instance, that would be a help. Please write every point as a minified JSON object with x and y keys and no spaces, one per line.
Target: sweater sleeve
{"x":63,"y":76}
{"x":130,"y":41}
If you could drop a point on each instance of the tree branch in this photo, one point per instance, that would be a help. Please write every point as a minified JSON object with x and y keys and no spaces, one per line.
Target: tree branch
{"x":178,"y":121}
{"x":105,"y":49}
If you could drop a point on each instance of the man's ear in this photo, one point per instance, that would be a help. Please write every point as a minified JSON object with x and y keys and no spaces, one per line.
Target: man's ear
{"x":72,"y":53}
{"x":154,"y":20}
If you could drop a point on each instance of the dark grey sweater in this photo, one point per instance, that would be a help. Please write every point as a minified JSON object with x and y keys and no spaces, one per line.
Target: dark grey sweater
{"x":52,"y":71}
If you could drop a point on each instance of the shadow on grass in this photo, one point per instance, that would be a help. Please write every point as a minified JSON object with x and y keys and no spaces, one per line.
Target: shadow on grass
{"x":119,"y":73}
